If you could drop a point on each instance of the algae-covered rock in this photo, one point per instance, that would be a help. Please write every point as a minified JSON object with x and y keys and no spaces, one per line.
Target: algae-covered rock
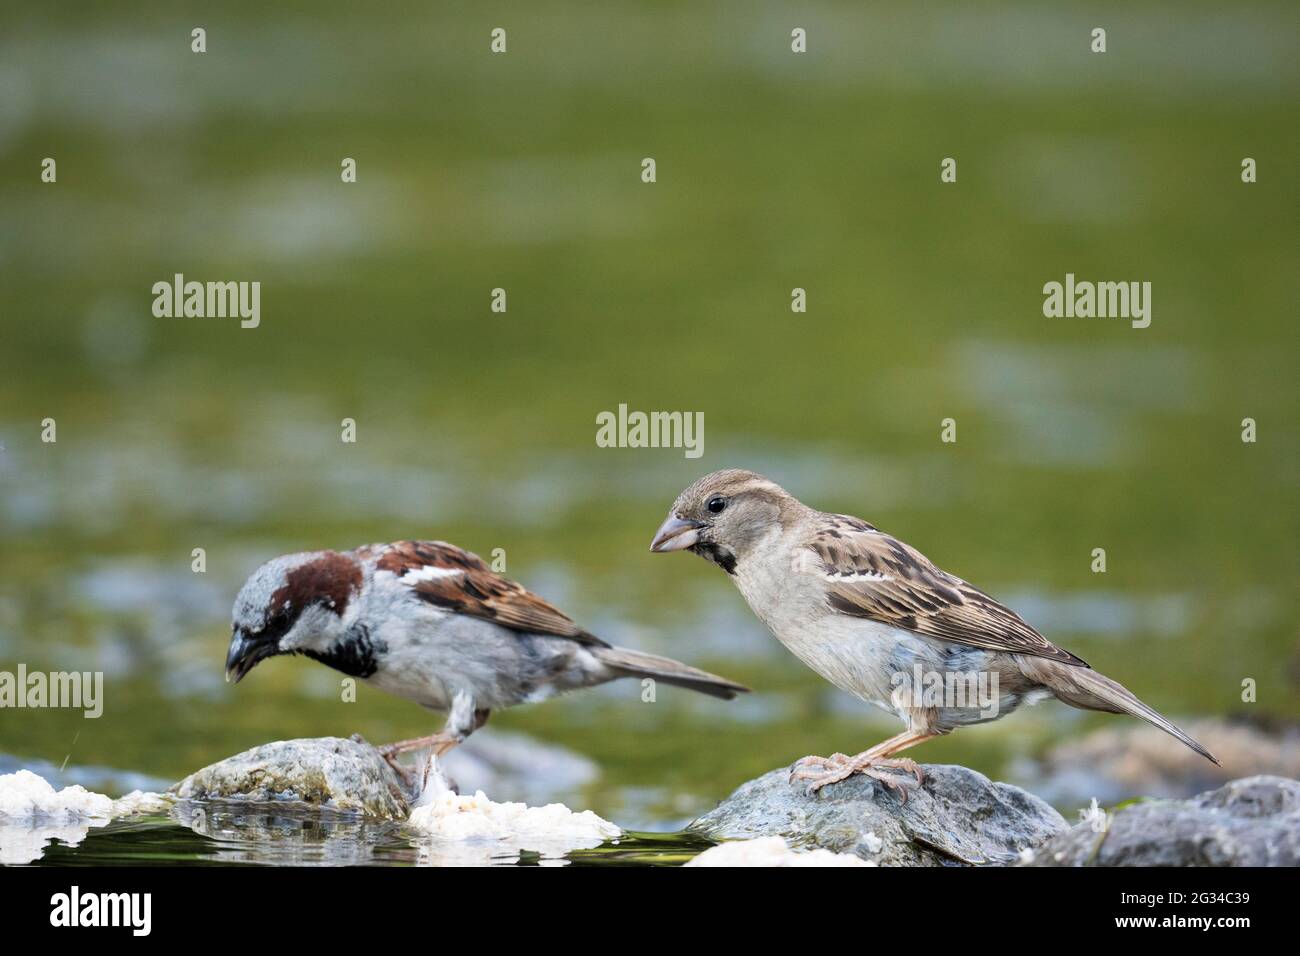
{"x":327,"y":772}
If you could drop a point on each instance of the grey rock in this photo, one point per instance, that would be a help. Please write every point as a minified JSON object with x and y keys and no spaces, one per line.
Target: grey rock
{"x":1250,"y":822}
{"x":957,"y":817}
{"x":323,"y":772}
{"x":1124,"y":761}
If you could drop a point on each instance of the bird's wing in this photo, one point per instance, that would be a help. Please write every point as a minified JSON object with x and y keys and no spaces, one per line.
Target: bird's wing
{"x":871,"y":575}
{"x":460,"y":581}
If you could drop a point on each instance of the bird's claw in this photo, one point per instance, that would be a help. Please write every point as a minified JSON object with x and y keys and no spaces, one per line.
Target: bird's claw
{"x":802,"y":768}
{"x":406,"y":776}
{"x":839,"y":767}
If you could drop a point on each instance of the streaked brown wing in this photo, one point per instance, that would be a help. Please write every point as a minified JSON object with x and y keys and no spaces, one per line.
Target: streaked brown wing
{"x":460,"y":581}
{"x":874,"y":576}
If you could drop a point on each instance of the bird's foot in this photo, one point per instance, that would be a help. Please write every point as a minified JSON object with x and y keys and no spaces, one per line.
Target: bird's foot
{"x":390,"y":757}
{"x":403,"y":774}
{"x":823,"y":771}
{"x":439,"y":743}
{"x":804,"y":765}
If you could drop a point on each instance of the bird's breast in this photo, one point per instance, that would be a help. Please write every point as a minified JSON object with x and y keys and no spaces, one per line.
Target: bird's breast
{"x":857,"y":655}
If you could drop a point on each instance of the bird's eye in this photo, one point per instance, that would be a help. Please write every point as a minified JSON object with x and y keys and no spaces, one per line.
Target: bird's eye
{"x":716,"y":504}
{"x":277,"y":624}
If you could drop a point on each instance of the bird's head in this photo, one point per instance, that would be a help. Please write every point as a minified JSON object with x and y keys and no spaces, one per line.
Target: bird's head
{"x":724,"y":516}
{"x":293,"y":604}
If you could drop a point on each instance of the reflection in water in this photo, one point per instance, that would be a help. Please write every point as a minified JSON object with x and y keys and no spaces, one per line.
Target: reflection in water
{"x":268,"y":833}
{"x":444,"y":829}
{"x":26,"y":842}
{"x":33,"y":814}
{"x":228,"y":832}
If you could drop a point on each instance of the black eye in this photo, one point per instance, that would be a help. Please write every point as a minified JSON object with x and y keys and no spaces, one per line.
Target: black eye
{"x":278,"y":625}
{"x":716,"y":504}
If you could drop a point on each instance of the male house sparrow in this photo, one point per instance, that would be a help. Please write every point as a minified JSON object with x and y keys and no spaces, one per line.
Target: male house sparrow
{"x":434,"y":624}
{"x":863,"y":610}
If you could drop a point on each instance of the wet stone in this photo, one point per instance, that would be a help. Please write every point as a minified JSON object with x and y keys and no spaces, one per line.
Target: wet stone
{"x":322,"y":772}
{"x":958,"y":817}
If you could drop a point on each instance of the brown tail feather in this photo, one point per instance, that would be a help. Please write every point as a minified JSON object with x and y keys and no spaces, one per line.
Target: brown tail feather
{"x":1084,"y":687}
{"x":631,"y":663}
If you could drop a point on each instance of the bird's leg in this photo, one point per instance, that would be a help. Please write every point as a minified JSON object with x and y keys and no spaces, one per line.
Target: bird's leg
{"x":440,"y":742}
{"x":462,"y":720}
{"x":876,"y":762}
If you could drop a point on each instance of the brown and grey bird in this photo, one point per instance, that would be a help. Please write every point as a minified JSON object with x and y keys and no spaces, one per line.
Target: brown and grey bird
{"x":429,"y":622}
{"x":879,"y":620}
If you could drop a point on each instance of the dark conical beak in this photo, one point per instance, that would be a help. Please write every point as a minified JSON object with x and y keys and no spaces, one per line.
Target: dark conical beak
{"x":676,"y":534}
{"x":245,"y":652}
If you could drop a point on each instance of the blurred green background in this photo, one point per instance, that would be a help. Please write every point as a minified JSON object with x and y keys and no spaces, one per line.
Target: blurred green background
{"x":522,"y":171}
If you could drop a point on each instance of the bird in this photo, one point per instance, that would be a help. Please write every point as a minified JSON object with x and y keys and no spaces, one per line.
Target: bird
{"x":432,"y":623}
{"x":879,"y":620}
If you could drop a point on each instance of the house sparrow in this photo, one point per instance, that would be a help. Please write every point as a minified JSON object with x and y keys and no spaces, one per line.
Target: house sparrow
{"x":870,"y":614}
{"x":434,"y":624}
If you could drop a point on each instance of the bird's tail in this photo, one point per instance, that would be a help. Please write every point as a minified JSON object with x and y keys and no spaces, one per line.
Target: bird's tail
{"x":1084,"y":687}
{"x":628,"y":663}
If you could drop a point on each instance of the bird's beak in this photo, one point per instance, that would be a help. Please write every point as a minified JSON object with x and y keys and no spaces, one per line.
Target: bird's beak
{"x":676,"y":534}
{"x":245,"y":652}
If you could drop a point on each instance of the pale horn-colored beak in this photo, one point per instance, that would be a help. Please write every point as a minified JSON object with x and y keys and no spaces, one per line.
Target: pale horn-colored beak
{"x":676,"y":534}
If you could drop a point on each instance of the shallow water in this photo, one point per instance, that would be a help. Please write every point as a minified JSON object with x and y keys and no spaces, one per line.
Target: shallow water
{"x":286,"y":838}
{"x":479,"y":428}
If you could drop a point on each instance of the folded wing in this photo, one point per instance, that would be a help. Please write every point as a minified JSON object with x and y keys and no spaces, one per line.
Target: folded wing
{"x":461,"y":581}
{"x":873,"y":576}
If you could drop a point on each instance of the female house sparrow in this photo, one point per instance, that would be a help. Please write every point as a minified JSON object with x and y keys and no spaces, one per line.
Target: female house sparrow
{"x":868,"y":612}
{"x":431,"y":623}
